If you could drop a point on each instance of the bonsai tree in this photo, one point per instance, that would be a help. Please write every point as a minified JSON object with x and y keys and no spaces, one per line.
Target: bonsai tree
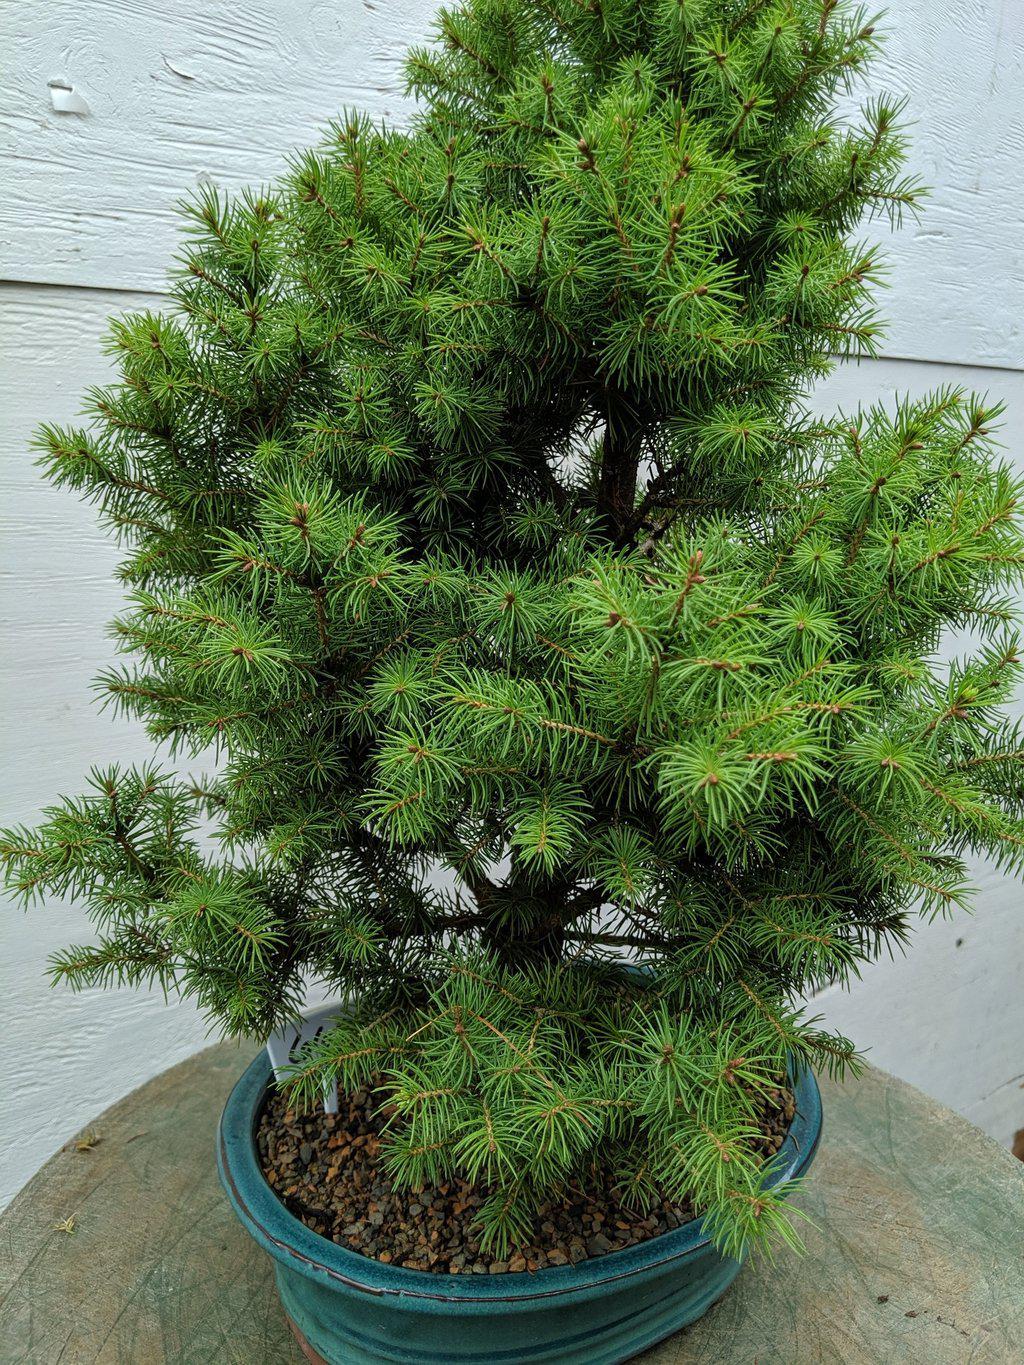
{"x":572,"y":686}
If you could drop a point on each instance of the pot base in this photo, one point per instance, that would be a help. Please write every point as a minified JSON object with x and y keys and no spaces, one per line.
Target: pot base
{"x":585,"y":1335}
{"x":314,"y":1357}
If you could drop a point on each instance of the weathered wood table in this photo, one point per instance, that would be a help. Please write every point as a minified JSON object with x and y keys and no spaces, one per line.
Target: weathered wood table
{"x":916,"y":1252}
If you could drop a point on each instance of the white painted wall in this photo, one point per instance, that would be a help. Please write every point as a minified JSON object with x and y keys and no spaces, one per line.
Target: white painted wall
{"x":949,"y":1016}
{"x":63,"y":1057}
{"x":182,"y":91}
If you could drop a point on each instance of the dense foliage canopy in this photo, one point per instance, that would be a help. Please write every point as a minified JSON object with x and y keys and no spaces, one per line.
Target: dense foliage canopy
{"x":475,"y":516}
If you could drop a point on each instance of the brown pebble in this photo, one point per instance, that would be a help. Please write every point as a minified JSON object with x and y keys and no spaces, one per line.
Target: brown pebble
{"x":327,"y":1170}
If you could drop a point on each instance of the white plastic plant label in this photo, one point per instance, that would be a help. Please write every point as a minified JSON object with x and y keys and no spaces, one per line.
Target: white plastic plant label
{"x":283,"y":1047}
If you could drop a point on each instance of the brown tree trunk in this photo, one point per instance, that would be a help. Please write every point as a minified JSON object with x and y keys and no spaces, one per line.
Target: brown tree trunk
{"x":620,"y":464}
{"x":525,"y":918}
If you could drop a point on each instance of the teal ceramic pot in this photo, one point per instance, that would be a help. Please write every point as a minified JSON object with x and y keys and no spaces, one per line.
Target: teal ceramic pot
{"x":347,"y":1309}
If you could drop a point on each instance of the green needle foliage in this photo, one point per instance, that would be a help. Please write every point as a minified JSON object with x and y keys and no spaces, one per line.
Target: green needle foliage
{"x":475,"y":518}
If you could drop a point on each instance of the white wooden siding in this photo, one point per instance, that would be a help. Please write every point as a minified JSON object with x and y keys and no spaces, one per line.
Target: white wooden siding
{"x":178,"y":92}
{"x":948,"y":1016}
{"x":182,"y":91}
{"x":64,"y":1057}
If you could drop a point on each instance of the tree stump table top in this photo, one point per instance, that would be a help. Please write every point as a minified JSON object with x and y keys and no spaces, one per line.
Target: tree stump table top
{"x":915,"y":1251}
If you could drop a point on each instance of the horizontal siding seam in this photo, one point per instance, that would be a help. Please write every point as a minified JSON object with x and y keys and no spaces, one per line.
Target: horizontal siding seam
{"x":144,"y":292}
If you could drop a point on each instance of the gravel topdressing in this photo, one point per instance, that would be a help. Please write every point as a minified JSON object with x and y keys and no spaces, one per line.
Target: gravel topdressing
{"x":325,"y":1170}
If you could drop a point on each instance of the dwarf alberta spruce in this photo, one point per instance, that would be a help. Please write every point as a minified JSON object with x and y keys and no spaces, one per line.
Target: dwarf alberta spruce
{"x":475,"y":519}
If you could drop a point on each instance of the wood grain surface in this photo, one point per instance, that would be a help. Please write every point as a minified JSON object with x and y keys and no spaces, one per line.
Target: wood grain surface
{"x":914,"y":1253}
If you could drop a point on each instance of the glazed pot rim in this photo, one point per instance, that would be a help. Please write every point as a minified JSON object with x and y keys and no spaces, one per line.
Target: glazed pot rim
{"x":289,"y":1241}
